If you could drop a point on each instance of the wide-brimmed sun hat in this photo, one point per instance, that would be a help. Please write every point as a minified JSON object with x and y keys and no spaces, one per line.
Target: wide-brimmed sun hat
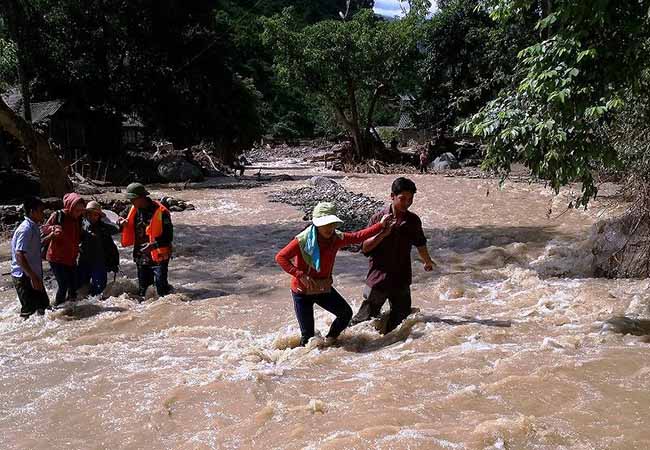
{"x":324,"y":214}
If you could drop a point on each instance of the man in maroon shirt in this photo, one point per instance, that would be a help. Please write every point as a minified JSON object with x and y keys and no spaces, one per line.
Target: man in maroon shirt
{"x":389,"y":253}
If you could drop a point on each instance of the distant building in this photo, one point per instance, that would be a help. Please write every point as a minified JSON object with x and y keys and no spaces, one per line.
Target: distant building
{"x":133,"y":130}
{"x":74,"y":127}
{"x":406,"y":129}
{"x":61,"y":121}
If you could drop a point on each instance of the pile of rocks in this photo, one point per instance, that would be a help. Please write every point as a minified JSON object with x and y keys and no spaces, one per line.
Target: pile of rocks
{"x":354,"y":209}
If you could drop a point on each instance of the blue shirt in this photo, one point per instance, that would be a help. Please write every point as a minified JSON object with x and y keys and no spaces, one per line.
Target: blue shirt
{"x":27,"y":239}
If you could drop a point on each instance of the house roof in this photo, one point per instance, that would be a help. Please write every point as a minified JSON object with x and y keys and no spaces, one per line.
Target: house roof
{"x":132,"y":121}
{"x":44,"y":110}
{"x":40,"y":110}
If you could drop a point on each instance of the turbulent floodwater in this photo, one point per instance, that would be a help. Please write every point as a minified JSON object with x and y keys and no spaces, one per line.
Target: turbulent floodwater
{"x":501,"y":352}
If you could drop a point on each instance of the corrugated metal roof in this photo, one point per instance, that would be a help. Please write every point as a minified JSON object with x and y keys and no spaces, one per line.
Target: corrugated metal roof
{"x":44,"y":110}
{"x":40,"y":110}
{"x":13,"y":99}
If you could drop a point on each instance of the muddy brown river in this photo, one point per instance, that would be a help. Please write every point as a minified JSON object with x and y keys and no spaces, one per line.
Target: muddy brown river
{"x":504,"y":351}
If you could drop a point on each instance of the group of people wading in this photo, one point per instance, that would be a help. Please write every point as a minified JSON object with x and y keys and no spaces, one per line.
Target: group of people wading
{"x":77,"y":242}
{"x":387,"y":241}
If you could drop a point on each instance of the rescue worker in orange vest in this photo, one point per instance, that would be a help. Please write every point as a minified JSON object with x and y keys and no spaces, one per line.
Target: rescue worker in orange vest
{"x":149,"y":229}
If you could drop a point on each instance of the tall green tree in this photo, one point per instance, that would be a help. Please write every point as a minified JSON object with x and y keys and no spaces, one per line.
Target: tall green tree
{"x":286,"y":111}
{"x":349,"y":64}
{"x":469,"y":57}
{"x":588,"y":58}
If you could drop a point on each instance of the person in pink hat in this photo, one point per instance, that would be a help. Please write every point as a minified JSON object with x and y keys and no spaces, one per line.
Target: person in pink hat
{"x":64,"y":247}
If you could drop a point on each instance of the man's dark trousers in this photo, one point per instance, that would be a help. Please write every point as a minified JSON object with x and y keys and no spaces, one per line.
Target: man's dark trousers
{"x":374,"y":298}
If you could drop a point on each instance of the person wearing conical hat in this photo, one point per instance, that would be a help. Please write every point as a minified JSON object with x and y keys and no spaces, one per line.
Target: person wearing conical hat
{"x":309,"y":259}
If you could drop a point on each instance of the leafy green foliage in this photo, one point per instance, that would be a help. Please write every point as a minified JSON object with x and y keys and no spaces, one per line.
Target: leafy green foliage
{"x":468,"y":58}
{"x":8,"y":62}
{"x":348,"y":64}
{"x":570,"y":85}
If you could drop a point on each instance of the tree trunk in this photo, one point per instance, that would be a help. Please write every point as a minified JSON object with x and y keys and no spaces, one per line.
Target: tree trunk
{"x":17,"y":27}
{"x":54,"y":180}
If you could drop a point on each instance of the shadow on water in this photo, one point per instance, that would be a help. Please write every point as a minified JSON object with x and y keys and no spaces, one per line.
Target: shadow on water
{"x":77,"y":312}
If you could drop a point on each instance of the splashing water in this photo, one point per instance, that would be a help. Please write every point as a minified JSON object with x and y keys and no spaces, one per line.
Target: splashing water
{"x":498,"y":353}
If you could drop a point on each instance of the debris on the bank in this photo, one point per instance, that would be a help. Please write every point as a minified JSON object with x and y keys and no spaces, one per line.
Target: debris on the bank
{"x":445,"y":161}
{"x":354,"y":209}
{"x":10,"y":215}
{"x":122,"y":206}
{"x":178,"y":169}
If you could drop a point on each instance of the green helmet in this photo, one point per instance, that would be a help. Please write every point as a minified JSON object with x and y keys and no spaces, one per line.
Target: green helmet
{"x":135,"y":190}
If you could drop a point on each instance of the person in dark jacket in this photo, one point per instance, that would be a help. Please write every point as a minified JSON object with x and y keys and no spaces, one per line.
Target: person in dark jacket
{"x":96,"y":249}
{"x":389,"y":253}
{"x":148,"y":228}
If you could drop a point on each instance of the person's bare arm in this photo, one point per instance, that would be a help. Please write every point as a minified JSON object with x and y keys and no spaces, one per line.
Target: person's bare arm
{"x":426,"y":258}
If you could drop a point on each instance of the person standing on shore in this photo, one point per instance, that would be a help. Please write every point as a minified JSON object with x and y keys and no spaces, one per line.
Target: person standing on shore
{"x":148,"y":228}
{"x":424,"y":160}
{"x":309,"y":259}
{"x":26,"y":261}
{"x":64,"y":247}
{"x":389,"y":253}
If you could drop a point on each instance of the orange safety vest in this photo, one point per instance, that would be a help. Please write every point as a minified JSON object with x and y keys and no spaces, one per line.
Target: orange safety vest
{"x":154,"y":229}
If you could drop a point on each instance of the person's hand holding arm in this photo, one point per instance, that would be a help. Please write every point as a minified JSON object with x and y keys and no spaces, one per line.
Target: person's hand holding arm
{"x":388,"y":223}
{"x":53,"y":232}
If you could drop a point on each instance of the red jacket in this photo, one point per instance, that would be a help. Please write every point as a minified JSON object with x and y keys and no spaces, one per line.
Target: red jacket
{"x":64,"y":249}
{"x":291,"y":260}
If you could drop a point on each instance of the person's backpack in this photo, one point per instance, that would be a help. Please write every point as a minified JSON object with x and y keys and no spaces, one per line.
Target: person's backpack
{"x":58,"y":220}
